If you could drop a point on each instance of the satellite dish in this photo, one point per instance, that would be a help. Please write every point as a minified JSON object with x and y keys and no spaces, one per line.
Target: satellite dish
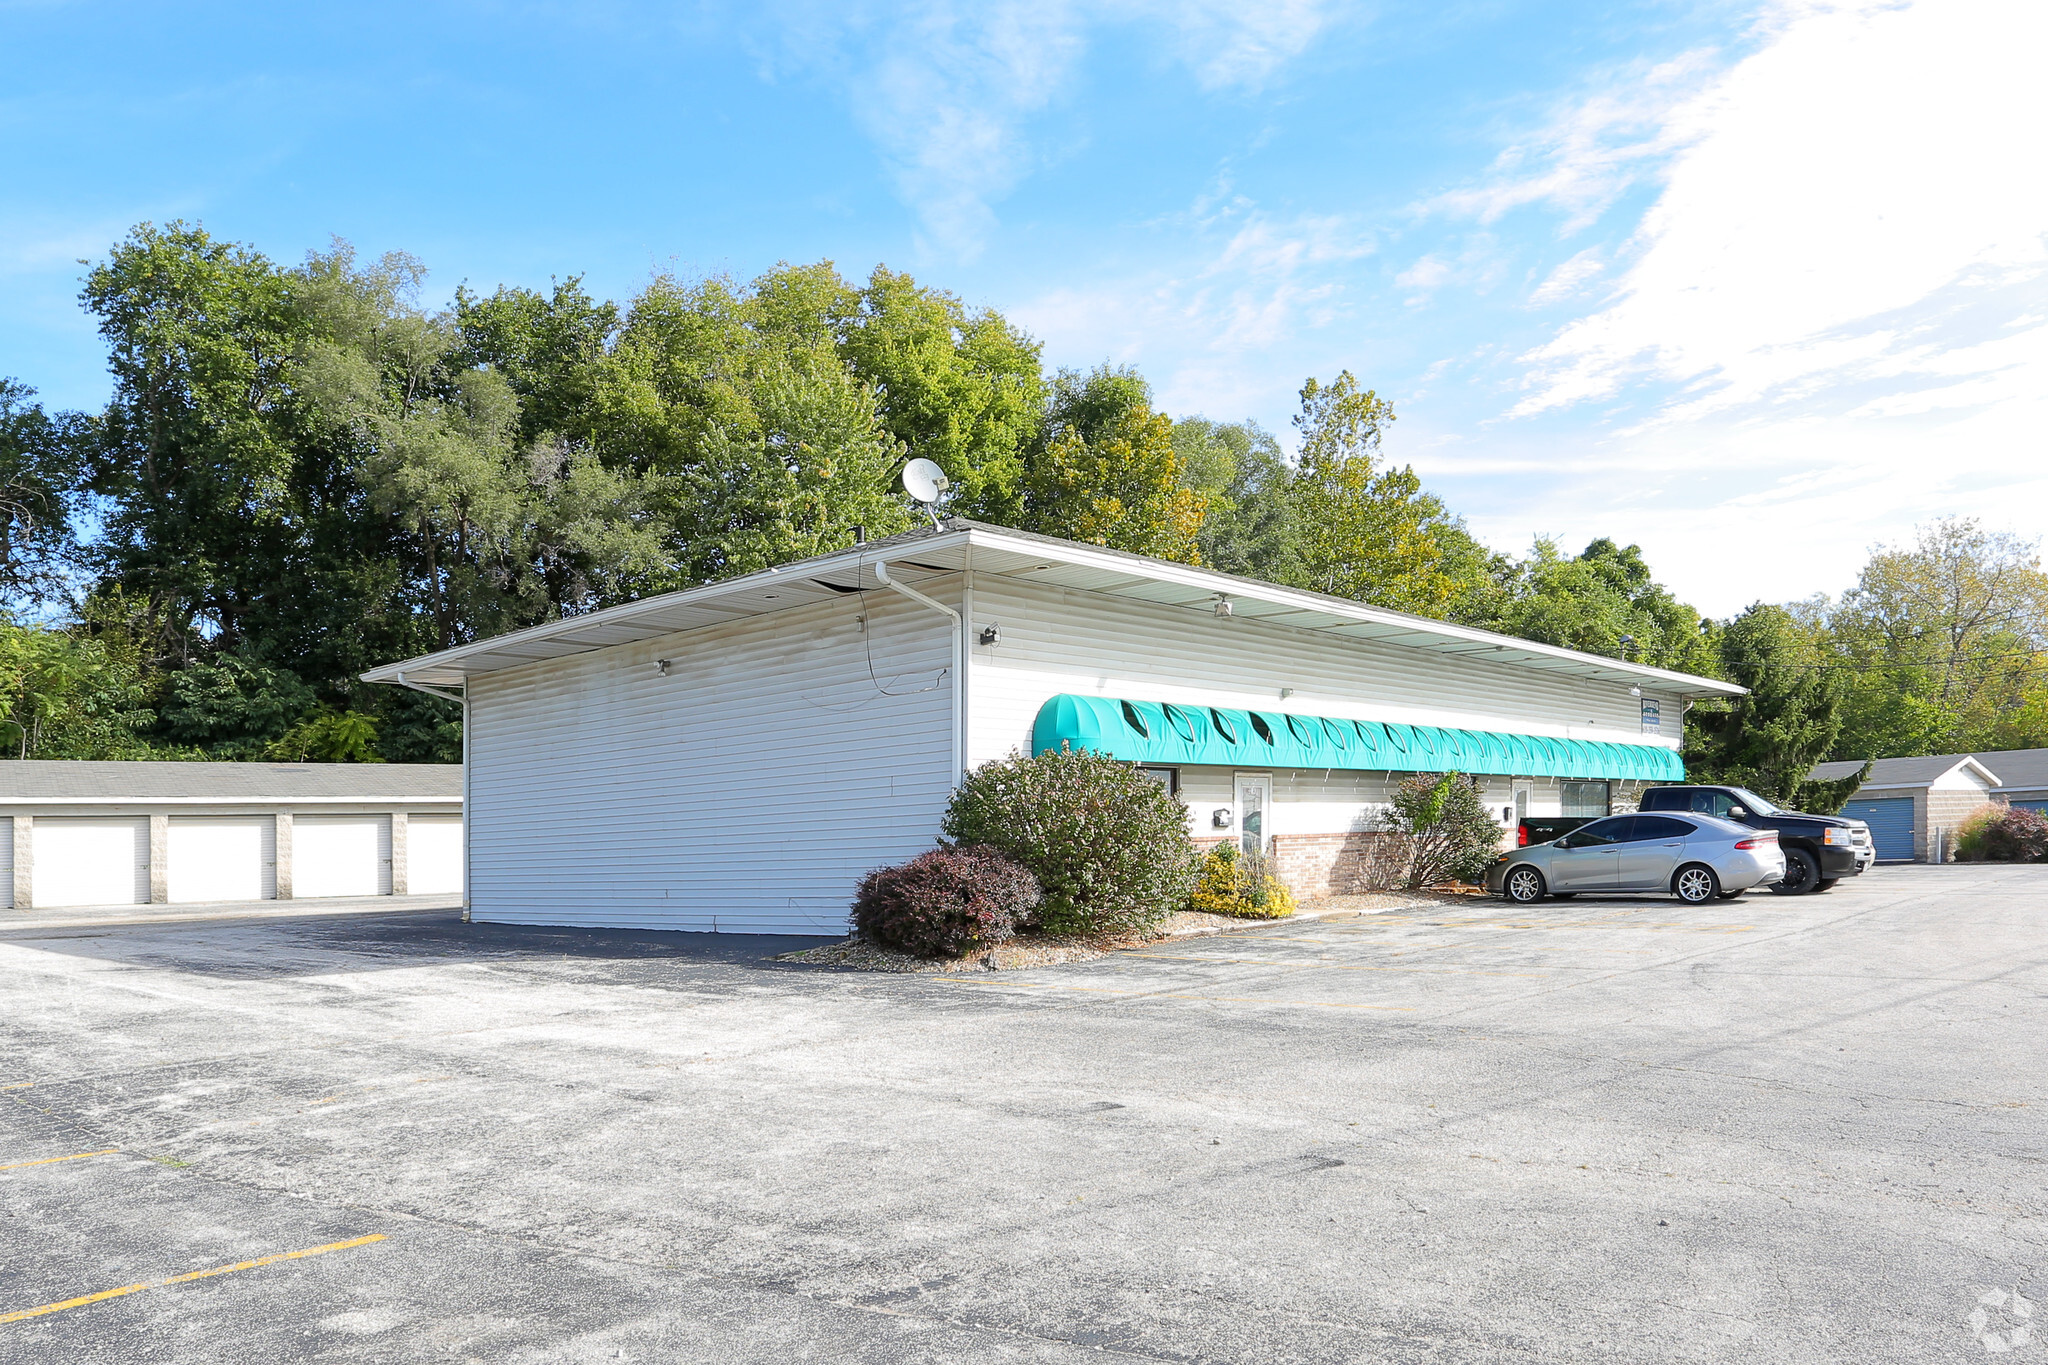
{"x":925,"y":481}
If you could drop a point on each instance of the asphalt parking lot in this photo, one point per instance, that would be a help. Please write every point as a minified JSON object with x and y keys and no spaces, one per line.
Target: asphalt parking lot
{"x":1772,"y":1129}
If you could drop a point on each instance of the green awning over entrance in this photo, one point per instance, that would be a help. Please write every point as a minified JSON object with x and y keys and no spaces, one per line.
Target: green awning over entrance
{"x":1171,"y":733}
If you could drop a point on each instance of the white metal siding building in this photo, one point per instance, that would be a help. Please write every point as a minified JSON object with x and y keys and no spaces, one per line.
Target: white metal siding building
{"x":736,"y":757}
{"x":109,"y":834}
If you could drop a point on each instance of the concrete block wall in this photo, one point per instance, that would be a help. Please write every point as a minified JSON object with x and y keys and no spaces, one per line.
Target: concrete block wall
{"x":1939,"y":813}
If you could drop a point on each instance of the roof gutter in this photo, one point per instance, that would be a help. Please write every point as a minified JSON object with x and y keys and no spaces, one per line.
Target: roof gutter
{"x":440,"y":692}
{"x":959,"y":668}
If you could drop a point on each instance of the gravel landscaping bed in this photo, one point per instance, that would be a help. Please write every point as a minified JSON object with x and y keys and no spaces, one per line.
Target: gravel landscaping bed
{"x":859,"y":955}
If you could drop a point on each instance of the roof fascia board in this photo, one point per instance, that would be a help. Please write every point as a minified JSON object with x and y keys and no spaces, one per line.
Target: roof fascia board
{"x":1137,"y":568}
{"x":1293,"y":598}
{"x":548,"y":631}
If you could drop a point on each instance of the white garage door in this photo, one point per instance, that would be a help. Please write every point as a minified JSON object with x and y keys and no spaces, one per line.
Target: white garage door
{"x":222,"y":858}
{"x":433,"y":855}
{"x":341,"y":855}
{"x":92,"y":861}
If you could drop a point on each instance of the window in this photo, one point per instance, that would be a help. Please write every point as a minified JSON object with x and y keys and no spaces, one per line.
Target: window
{"x":1585,"y":799}
{"x":1168,"y":778}
{"x":1600,"y":832}
{"x":1661,"y":827}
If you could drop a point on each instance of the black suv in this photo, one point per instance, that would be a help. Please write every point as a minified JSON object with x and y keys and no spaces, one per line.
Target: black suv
{"x":1820,"y":850}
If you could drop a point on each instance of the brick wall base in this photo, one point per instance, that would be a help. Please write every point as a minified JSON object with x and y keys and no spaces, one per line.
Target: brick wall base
{"x":1315,"y":865}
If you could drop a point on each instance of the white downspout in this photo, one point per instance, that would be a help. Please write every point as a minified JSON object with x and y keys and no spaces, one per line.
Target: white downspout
{"x":959,"y":659}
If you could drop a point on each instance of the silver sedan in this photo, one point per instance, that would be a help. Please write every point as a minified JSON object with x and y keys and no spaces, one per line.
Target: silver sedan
{"x":1693,"y":857}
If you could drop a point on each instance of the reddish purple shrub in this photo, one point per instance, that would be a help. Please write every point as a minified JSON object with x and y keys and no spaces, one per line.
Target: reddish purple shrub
{"x":2005,"y":834}
{"x":946,"y":902}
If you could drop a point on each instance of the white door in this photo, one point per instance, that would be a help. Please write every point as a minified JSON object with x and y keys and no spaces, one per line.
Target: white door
{"x":433,"y":855}
{"x":99,"y":860}
{"x":222,"y":858}
{"x":1254,"y":806}
{"x":341,"y":855}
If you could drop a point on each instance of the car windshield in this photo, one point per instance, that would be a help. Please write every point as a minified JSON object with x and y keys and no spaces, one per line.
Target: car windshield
{"x":1757,"y":805}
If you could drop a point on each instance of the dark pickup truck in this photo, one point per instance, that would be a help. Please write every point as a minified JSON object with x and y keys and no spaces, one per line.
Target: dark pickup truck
{"x":1820,"y":850}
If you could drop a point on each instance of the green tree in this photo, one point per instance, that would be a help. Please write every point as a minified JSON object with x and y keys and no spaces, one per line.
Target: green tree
{"x":1106,"y":471}
{"x":1945,"y":640}
{"x":758,"y":442}
{"x":65,"y":694}
{"x":964,"y":388}
{"x":1769,"y":740}
{"x":1369,"y":532}
{"x":39,"y":479}
{"x":1249,"y":526}
{"x":1604,"y":601}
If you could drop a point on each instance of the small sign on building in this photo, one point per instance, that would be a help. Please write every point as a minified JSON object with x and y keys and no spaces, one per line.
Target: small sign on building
{"x":1653,"y":717}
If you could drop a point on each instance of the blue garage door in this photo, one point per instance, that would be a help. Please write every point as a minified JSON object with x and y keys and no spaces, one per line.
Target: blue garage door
{"x":2030,"y":805}
{"x":1891,"y":824}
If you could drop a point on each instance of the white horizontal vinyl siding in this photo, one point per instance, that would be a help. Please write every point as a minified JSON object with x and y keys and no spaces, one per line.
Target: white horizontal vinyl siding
{"x":1061,"y":640}
{"x":748,"y":790}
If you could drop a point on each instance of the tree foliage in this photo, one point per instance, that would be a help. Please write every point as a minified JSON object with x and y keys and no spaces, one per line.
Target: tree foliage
{"x":1769,"y":740}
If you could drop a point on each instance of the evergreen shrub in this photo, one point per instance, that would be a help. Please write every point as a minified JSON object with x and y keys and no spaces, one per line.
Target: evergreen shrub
{"x":1109,"y":847}
{"x":945,"y":903}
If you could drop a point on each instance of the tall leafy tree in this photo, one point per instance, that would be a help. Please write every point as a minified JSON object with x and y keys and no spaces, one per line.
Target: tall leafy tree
{"x":1603,"y":600}
{"x":1106,"y":471}
{"x":1370,"y":531}
{"x":1769,"y":740}
{"x":961,"y":387}
{"x":39,"y":480}
{"x":1250,"y":527}
{"x":1945,"y":638}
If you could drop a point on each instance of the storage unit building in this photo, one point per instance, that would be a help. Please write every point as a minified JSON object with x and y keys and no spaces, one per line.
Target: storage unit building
{"x":1915,"y":805}
{"x":736,"y":757}
{"x":108,"y":834}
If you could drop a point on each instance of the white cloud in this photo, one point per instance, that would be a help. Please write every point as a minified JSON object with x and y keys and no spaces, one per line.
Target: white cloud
{"x":1569,"y":277}
{"x":1841,"y":198}
{"x":948,"y":89}
{"x":1586,"y":154}
{"x":1224,"y":333}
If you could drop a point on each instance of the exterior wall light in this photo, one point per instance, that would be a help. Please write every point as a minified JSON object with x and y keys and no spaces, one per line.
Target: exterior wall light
{"x":661,"y":668}
{"x":1223,"y":604}
{"x":1286,"y":692}
{"x":992,"y":634}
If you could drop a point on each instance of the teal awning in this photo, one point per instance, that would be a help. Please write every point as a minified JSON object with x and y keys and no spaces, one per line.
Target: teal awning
{"x":1157,"y":732}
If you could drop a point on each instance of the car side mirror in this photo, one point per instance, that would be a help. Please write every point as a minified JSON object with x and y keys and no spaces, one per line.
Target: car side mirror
{"x":1566,"y":842}
{"x":1737,"y":811}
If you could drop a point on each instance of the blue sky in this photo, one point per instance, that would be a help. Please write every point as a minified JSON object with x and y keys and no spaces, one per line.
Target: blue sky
{"x":1757,"y":286}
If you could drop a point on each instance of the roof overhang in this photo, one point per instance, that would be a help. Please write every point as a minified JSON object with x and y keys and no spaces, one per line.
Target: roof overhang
{"x":922,"y":555}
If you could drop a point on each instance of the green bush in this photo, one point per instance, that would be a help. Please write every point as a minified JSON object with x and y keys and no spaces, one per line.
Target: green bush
{"x":1450,"y":835}
{"x":1109,"y":847}
{"x":2004,"y":834}
{"x":1231,"y":884}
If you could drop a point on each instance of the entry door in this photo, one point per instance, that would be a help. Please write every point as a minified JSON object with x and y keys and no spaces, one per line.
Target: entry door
{"x":1254,"y":803}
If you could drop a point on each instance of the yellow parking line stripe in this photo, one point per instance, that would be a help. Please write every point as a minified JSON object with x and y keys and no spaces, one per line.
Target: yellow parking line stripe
{"x":53,"y":1160}
{"x":189,"y":1275}
{"x":18,"y":1085}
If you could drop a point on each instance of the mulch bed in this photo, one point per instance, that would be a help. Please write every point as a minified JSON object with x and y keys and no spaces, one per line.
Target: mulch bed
{"x":1032,"y":951}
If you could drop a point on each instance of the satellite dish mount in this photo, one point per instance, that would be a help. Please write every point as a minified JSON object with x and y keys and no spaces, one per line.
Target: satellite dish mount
{"x":926,"y":483}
